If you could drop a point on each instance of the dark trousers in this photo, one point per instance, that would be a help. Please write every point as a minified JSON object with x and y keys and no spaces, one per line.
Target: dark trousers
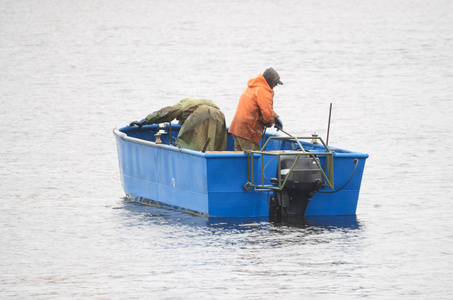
{"x":241,"y":144}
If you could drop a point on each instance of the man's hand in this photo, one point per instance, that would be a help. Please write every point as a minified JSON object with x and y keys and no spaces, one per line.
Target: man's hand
{"x":138,"y":123}
{"x":278,"y":123}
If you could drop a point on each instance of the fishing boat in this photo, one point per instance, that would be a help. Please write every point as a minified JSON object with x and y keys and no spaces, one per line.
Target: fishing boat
{"x":289,"y":177}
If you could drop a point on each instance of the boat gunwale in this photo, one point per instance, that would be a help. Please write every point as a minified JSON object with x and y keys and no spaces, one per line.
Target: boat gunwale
{"x":125,"y":137}
{"x":223,"y":154}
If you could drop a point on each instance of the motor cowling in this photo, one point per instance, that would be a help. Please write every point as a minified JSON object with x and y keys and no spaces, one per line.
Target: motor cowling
{"x":302,"y":183}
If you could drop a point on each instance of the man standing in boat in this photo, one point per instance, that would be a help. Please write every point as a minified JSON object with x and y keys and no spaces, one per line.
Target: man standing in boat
{"x":255,"y":111}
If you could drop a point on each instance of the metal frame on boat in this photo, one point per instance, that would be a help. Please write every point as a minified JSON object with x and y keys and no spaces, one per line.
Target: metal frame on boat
{"x":279,"y":154}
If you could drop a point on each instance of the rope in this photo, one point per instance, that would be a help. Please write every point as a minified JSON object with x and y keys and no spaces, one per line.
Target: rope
{"x":331,"y":192}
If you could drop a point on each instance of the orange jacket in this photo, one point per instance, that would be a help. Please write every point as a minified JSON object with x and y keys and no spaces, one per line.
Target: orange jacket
{"x":254,"y":111}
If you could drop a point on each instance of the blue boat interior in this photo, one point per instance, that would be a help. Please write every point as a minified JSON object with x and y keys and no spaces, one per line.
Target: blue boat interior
{"x":148,"y":132}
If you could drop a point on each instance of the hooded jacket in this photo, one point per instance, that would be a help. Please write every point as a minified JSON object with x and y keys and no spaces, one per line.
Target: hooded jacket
{"x":254,"y":111}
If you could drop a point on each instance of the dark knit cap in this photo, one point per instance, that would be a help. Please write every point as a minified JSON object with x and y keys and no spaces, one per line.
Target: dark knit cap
{"x":272,"y":77}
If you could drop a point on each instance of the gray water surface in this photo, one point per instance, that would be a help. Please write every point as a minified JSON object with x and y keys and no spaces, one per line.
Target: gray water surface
{"x":71,"y":71}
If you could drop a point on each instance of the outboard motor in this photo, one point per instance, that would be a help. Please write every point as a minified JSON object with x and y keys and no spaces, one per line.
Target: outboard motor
{"x":291,"y":202}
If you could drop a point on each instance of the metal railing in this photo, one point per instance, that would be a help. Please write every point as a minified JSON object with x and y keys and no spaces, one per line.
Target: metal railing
{"x":328,"y":179}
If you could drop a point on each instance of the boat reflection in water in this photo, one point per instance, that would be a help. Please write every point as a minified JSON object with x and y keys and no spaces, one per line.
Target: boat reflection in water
{"x":160,"y":215}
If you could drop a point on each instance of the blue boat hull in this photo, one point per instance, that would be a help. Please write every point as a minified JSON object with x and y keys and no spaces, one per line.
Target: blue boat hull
{"x":211,"y":184}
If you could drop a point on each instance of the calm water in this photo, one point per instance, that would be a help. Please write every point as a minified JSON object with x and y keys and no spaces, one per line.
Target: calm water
{"x":73,"y":70}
